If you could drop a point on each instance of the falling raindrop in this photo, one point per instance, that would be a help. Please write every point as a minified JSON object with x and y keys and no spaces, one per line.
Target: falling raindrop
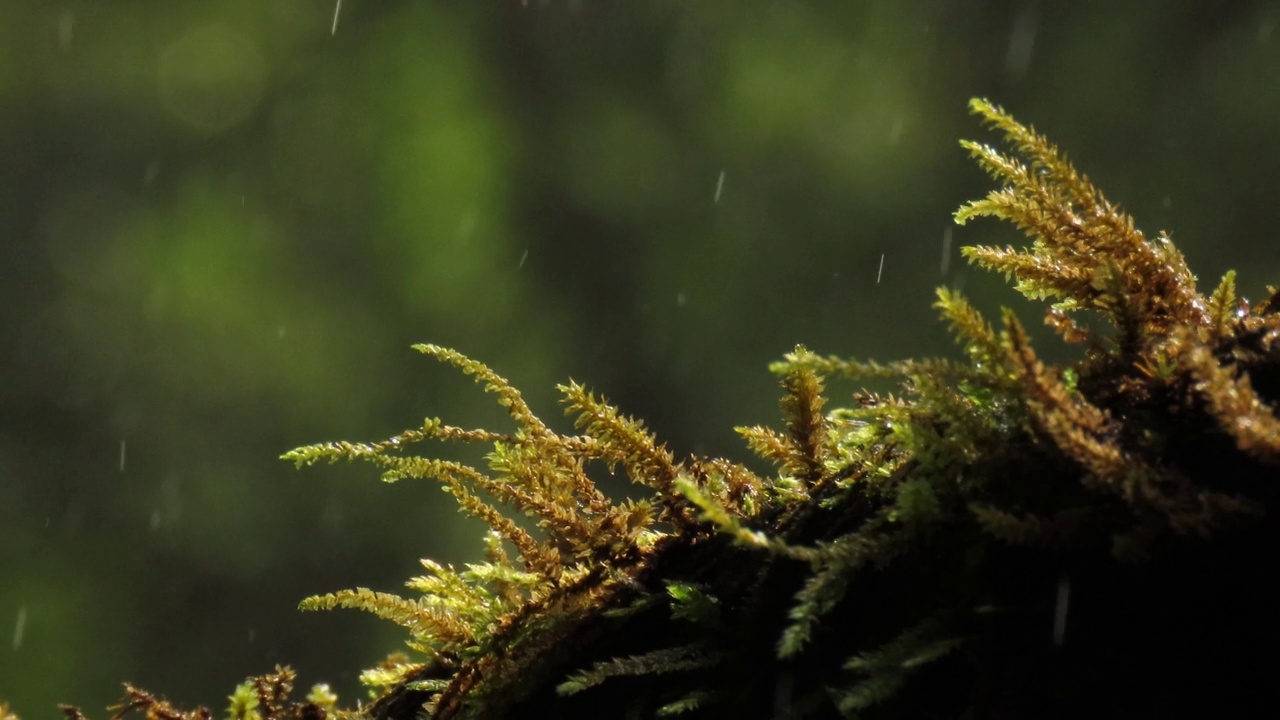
{"x":20,"y":627}
{"x":680,"y":298}
{"x":1060,"y":611}
{"x":1022,"y":40}
{"x":946,"y":249}
{"x":881,"y":270}
{"x":719,"y":187}
{"x":337,"y":8}
{"x":466,"y":227}
{"x":523,"y":257}
{"x":123,"y":447}
{"x":66,"y":28}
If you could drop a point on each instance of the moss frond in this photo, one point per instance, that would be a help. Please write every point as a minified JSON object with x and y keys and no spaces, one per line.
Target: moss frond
{"x":1085,"y":250}
{"x":656,"y":662}
{"x":622,"y":439}
{"x":1070,"y":528}
{"x":394,"y":670}
{"x":244,"y":703}
{"x":1044,"y":155}
{"x":736,"y":487}
{"x":154,"y":708}
{"x":587,"y":550}
{"x":689,"y":703}
{"x":691,"y":603}
{"x":323,"y":697}
{"x":273,"y":691}
{"x":508,"y":397}
{"x":887,"y":667}
{"x":767,"y":443}
{"x":724,"y":519}
{"x":806,"y":424}
{"x":1235,"y":405}
{"x":435,"y":620}
{"x":835,"y":565}
{"x":1224,"y":308}
{"x":975,"y":334}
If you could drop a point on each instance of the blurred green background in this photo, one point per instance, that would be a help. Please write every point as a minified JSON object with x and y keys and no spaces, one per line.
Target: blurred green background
{"x":223,"y":224}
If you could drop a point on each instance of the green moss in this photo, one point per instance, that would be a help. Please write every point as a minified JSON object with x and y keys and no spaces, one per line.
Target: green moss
{"x":912,"y":554}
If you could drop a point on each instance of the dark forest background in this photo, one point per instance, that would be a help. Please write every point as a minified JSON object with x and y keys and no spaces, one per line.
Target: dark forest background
{"x":223,"y":224}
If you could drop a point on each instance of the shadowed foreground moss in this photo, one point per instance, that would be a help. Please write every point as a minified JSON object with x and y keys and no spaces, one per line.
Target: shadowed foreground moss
{"x":1002,"y":538}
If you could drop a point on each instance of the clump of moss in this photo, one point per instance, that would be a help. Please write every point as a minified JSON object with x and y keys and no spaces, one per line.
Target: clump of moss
{"x":1002,"y":538}
{"x":264,"y":697}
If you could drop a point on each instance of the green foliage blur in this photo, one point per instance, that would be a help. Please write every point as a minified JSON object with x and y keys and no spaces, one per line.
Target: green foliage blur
{"x":223,"y":224}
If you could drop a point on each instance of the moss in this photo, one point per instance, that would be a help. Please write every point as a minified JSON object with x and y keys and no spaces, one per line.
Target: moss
{"x":1002,"y":538}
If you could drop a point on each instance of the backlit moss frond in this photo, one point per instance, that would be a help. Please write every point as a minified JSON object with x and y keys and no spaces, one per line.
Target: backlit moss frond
{"x":394,"y":670}
{"x":1084,"y":250}
{"x":716,"y":513}
{"x":244,"y":702}
{"x":1076,"y":426}
{"x":458,"y":479}
{"x":273,"y":691}
{"x":768,"y":444}
{"x":426,"y":620}
{"x":1224,"y":308}
{"x":263,"y":697}
{"x":692,"y":603}
{"x":804,"y":359}
{"x":806,"y":424}
{"x":973,"y":331}
{"x":584,"y":556}
{"x":1235,"y":405}
{"x":1088,"y":255}
{"x":154,"y":708}
{"x":1045,"y":157}
{"x":737,"y":486}
{"x":802,"y":453}
{"x":623,"y":439}
{"x":508,"y":397}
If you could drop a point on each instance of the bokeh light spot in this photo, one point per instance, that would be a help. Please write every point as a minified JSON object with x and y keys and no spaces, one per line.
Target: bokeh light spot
{"x":212,"y":78}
